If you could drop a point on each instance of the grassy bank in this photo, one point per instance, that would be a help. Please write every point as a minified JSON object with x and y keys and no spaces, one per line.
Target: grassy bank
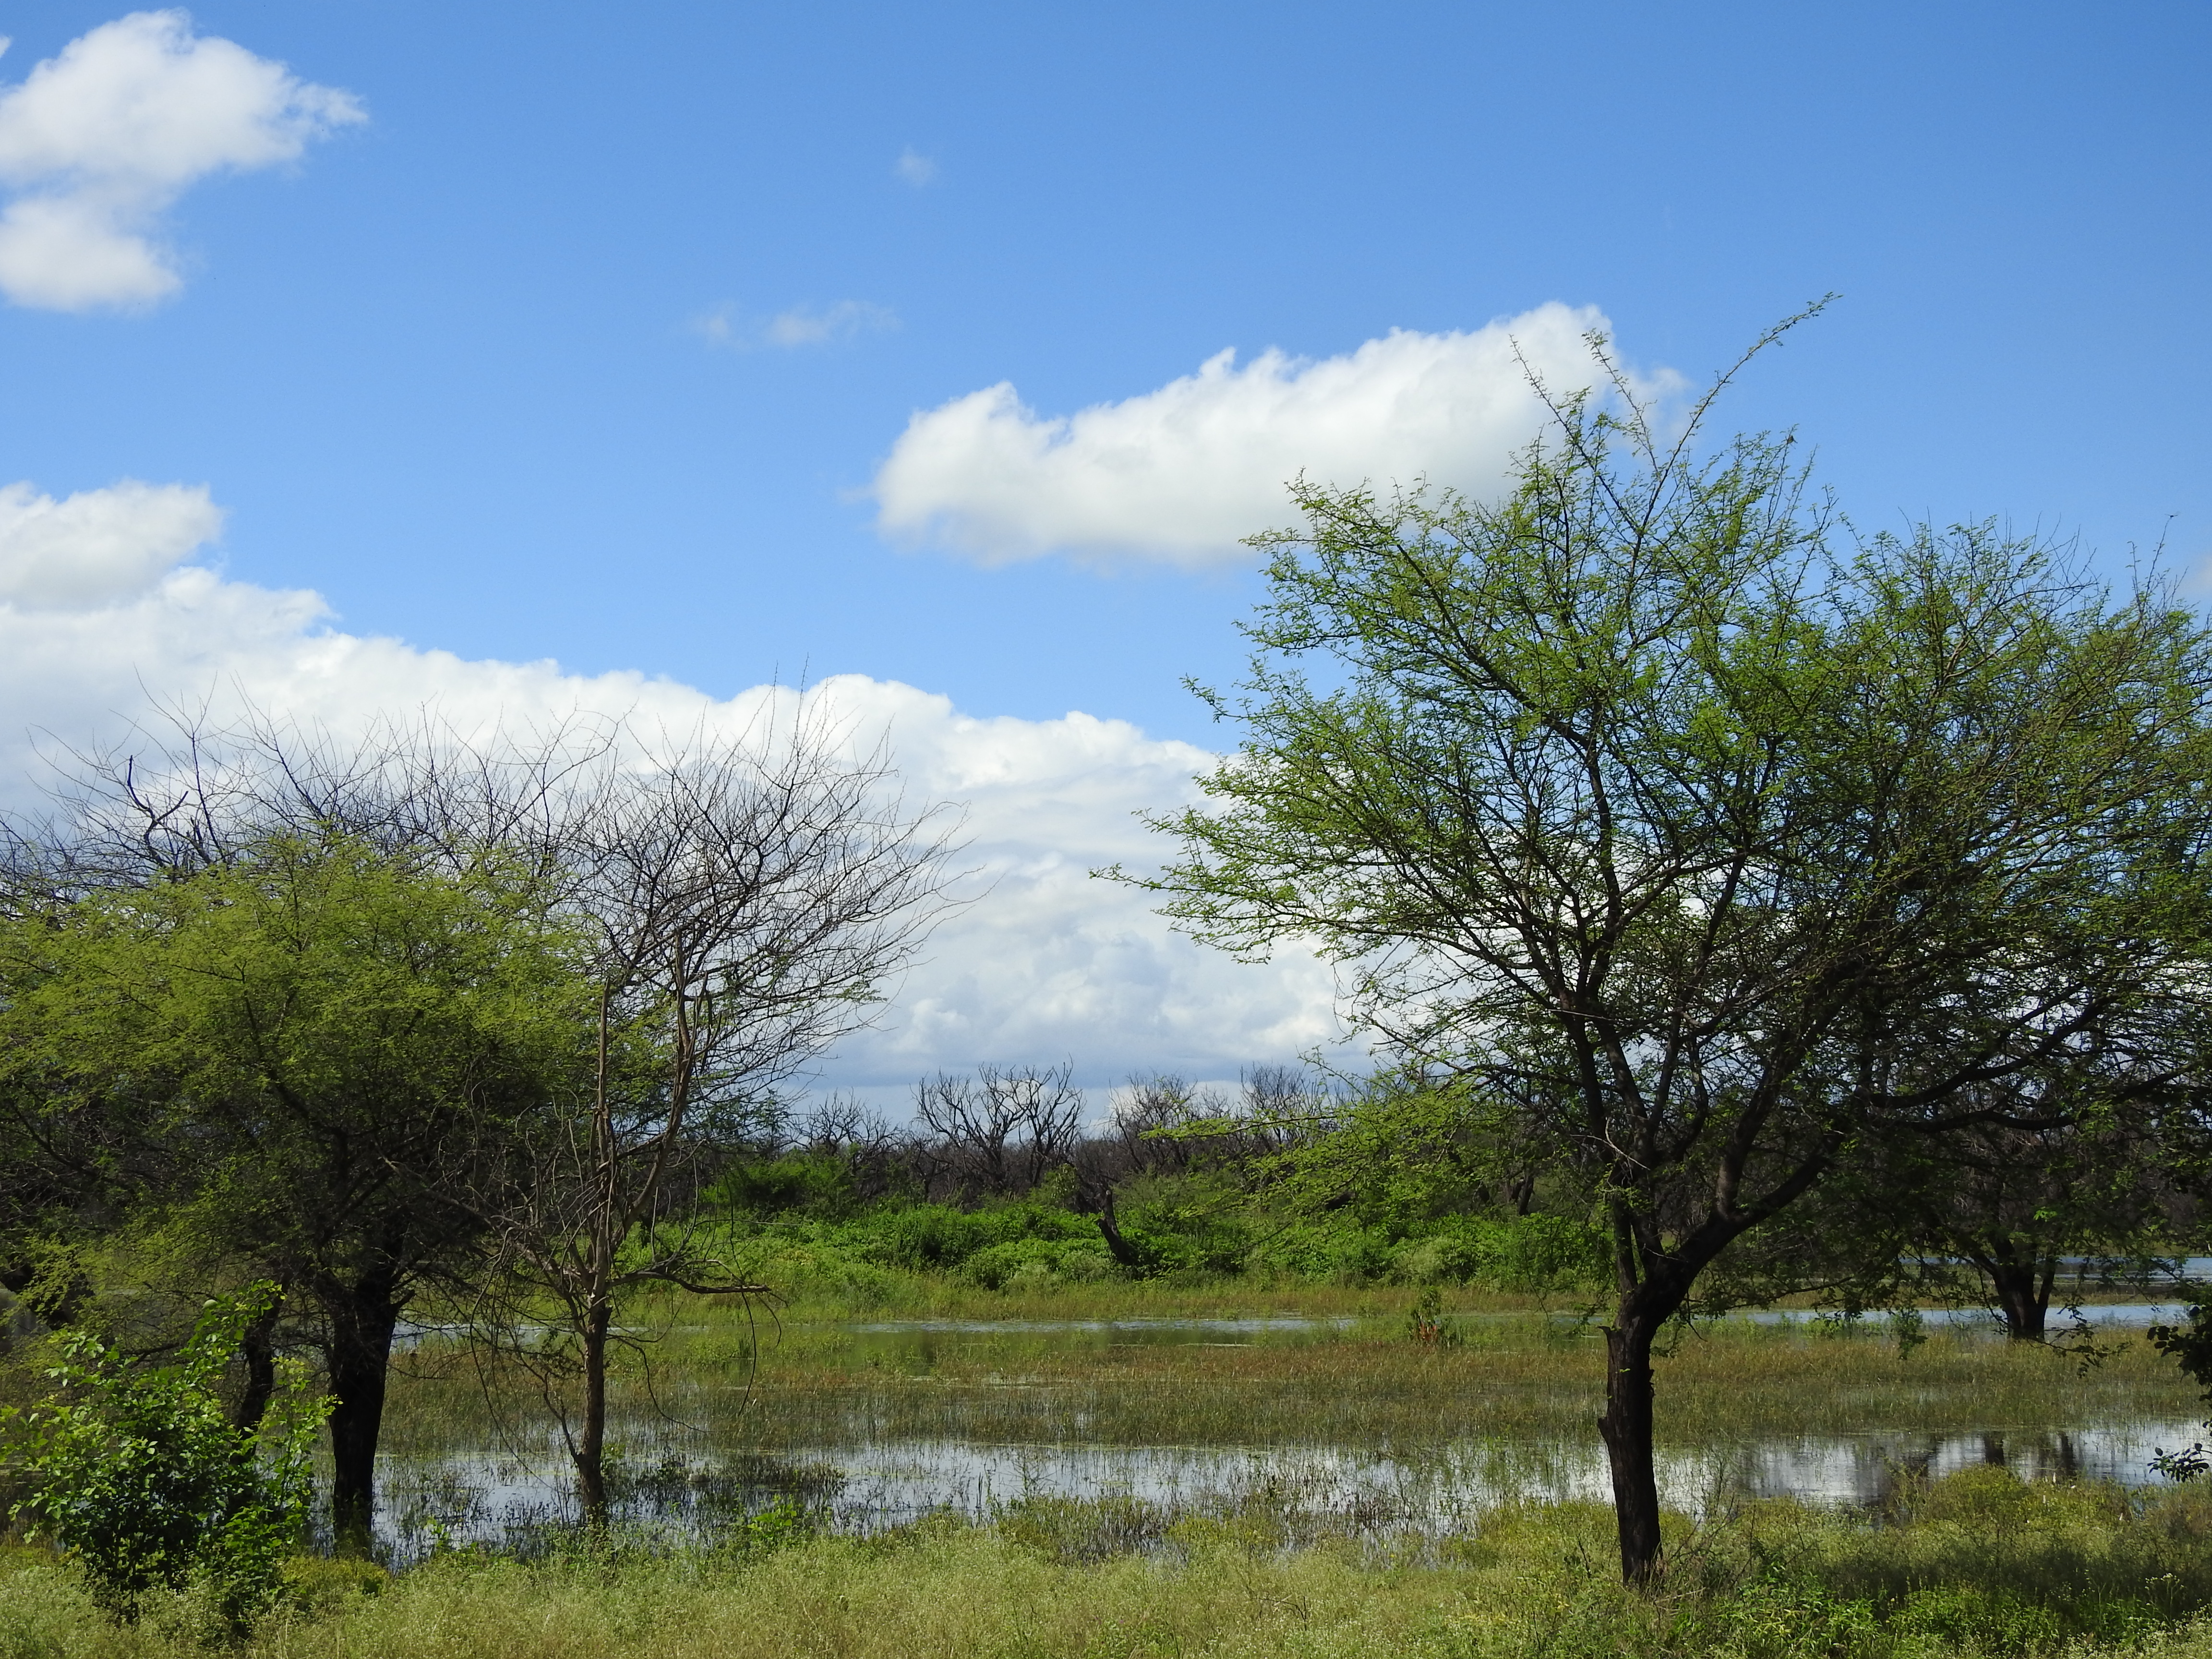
{"x":1978,"y":1564}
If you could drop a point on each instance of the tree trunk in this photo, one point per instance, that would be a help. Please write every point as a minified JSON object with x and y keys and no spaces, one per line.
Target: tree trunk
{"x":1124,"y":1252}
{"x":1627,"y":1427}
{"x":2022,"y":1289}
{"x":361,"y":1319}
{"x":592,"y":1444}
{"x":259,"y":1346}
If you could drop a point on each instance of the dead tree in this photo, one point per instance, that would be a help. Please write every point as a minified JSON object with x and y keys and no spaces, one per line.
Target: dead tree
{"x":1003,"y":1130}
{"x":874,"y":1154}
{"x":744,"y":903}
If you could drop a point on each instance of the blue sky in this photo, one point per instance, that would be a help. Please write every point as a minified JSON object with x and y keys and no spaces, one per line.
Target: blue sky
{"x":497,"y":370}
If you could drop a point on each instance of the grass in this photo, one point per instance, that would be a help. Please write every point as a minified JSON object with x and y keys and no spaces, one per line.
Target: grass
{"x":812,"y":1380}
{"x":1979,"y":1564}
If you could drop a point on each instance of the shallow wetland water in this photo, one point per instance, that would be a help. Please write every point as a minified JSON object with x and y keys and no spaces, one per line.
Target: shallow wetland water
{"x":1323,"y":1421}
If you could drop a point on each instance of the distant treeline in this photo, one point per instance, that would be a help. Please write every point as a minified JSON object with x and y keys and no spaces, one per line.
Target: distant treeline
{"x":998,"y":1180}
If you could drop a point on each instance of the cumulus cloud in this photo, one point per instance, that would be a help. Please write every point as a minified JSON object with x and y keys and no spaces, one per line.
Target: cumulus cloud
{"x":1184,"y":473}
{"x":99,"y":545}
{"x":1047,"y":964}
{"x":99,"y":141}
{"x":801,"y":325}
{"x":913,"y":168}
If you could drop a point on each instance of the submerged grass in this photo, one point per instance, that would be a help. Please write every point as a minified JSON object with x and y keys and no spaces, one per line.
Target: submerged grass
{"x":1979,"y":1564}
{"x":816,"y":1377}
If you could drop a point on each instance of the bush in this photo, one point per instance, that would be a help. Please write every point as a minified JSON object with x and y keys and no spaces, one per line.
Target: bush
{"x":935,"y":1237}
{"x":810,"y":1183}
{"x":1528,"y":1255}
{"x":143,"y":1481}
{"x":1536,"y":1253}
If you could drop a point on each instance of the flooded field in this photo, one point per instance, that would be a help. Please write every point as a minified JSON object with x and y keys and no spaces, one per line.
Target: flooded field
{"x":1321,"y":1423}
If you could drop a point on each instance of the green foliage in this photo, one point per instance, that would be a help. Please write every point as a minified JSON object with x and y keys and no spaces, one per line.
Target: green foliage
{"x":1529,"y":1254}
{"x":1066,"y":1578}
{"x":1693,"y":859}
{"x":142,"y":1478}
{"x":936,"y":1237}
{"x":2190,"y":1345}
{"x":807,"y":1183}
{"x":315,"y":1031}
{"x":320,"y":1057}
{"x":1192,"y":1228}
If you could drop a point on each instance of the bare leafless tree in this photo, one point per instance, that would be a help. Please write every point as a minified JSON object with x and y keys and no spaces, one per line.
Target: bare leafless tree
{"x":1282,"y":1106}
{"x":1005,"y":1129}
{"x":747,"y":901}
{"x":1145,"y":1115}
{"x":180,"y":793}
{"x":876,"y":1156}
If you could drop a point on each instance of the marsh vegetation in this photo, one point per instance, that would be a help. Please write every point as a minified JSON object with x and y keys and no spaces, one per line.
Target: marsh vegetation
{"x":1232,"y":1469}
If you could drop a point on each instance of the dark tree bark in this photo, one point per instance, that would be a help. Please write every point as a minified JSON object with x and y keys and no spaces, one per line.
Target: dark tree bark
{"x":592,"y":1445}
{"x":1124,"y":1252}
{"x":258,"y":1348}
{"x":1627,"y":1427}
{"x":1521,"y":1193}
{"x":361,"y":1322}
{"x":2022,"y":1291}
{"x":1640,"y":1314}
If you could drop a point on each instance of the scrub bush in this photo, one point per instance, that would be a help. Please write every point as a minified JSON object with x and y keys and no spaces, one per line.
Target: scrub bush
{"x":140,"y":1477}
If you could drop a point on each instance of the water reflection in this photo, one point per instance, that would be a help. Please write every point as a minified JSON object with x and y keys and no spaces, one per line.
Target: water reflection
{"x":1163,"y":1330}
{"x":854,"y":1475}
{"x":2115,"y":1314}
{"x":1321,"y":1490}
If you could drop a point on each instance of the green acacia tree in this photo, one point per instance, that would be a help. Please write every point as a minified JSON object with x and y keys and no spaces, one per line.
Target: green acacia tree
{"x":1689,"y":850}
{"x":2059,"y":1174}
{"x":327,"y":1052}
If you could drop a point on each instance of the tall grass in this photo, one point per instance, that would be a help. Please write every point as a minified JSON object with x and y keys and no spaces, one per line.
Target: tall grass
{"x":812,"y":1379}
{"x":1977,"y":1565}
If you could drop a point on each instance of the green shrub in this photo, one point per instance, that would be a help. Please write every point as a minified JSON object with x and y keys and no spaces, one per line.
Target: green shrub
{"x":806,"y":1182}
{"x":1535,"y":1254}
{"x":925,"y":1236}
{"x":1528,"y":1255}
{"x":995,"y":1265}
{"x":142,"y":1480}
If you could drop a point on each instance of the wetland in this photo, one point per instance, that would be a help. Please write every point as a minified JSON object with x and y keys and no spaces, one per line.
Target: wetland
{"x":1316,"y":1403}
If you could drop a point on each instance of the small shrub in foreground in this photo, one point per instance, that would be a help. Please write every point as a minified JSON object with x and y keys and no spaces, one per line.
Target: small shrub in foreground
{"x":141,"y":1479}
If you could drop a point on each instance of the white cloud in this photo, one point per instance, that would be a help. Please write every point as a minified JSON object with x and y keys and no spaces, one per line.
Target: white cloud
{"x":98,"y":545}
{"x":913,"y":168}
{"x":1183,"y":474}
{"x":98,"y":140}
{"x":1048,"y":964}
{"x":801,"y":325}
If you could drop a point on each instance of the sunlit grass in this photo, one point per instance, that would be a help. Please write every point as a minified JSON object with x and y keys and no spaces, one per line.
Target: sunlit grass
{"x":1979,"y":1564}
